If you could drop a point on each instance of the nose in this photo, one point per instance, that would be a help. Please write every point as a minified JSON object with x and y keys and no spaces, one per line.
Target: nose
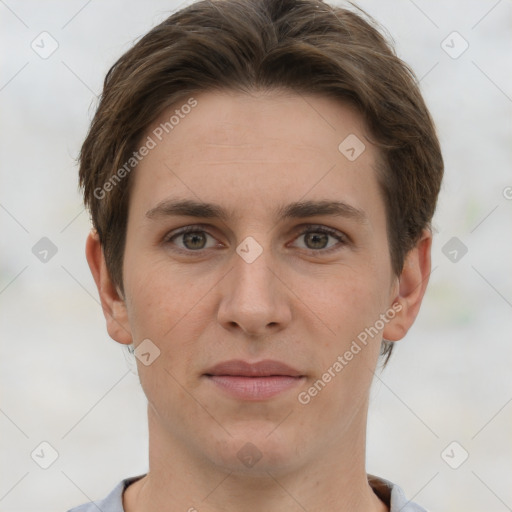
{"x":254,"y":298}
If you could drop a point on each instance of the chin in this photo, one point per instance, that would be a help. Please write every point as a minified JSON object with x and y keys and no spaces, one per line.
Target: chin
{"x":252,"y":451}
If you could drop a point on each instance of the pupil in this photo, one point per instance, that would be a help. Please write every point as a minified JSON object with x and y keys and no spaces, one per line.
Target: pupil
{"x":194,"y":240}
{"x":315,"y":237}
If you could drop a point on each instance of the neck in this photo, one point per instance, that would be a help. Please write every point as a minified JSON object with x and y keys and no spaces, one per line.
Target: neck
{"x":179,"y":480}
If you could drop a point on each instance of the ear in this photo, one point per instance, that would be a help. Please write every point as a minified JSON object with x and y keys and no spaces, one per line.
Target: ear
{"x":412,"y":284}
{"x":113,"y":305}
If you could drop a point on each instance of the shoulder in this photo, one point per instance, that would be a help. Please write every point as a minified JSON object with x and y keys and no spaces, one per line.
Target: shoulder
{"x":393,"y":495}
{"x":113,"y":502}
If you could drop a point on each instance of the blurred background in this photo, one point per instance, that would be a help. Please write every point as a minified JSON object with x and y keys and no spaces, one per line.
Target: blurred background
{"x":441,"y":412}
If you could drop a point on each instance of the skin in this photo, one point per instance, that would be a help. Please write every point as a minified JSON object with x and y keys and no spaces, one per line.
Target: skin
{"x":295,"y":303}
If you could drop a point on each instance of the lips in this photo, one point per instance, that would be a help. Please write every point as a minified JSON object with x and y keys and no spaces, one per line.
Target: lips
{"x":253,"y":381}
{"x":239,"y":368}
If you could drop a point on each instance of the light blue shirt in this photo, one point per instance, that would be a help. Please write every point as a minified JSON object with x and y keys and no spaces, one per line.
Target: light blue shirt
{"x":388,"y":492}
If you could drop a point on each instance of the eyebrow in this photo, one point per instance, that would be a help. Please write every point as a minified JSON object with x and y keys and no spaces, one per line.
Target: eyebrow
{"x":299,"y":209}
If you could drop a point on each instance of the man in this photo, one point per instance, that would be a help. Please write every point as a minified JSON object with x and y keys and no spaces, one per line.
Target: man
{"x":261,"y":177}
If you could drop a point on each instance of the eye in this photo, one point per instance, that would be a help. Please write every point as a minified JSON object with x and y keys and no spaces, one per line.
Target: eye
{"x":316,"y":239}
{"x":191,"y":238}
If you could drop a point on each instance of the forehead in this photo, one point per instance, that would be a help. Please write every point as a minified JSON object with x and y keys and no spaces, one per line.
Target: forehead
{"x":257,"y":148}
{"x":232,"y":120}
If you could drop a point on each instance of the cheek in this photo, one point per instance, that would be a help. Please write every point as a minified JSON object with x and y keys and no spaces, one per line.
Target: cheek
{"x":349,"y":304}
{"x":154,"y":302}
{"x":168,"y":306}
{"x":346,"y":301}
{"x":167,"y":312}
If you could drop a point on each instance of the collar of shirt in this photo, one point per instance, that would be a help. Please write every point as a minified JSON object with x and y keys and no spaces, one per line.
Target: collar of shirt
{"x":391,"y":494}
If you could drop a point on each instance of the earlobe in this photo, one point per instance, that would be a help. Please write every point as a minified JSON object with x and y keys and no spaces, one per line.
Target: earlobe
{"x":411,"y":289}
{"x":113,"y":305}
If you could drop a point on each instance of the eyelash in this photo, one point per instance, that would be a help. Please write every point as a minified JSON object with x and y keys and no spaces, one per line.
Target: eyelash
{"x":310,"y":228}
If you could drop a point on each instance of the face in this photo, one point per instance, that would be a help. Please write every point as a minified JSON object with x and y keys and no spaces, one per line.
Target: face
{"x":289,"y":264}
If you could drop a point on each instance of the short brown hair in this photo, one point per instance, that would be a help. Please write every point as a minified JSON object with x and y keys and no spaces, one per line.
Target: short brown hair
{"x":305,"y":46}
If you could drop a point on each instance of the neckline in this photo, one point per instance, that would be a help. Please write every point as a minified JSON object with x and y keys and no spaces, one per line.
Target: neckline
{"x":380,"y":486}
